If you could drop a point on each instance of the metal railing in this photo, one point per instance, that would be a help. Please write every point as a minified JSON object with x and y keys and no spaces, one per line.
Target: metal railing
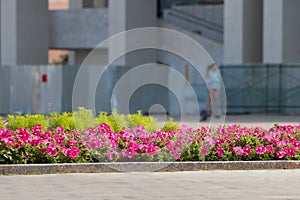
{"x":262,"y":88}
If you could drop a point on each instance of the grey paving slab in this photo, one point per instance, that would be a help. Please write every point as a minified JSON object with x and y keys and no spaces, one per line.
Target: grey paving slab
{"x":264,"y":184}
{"x":265,"y":121}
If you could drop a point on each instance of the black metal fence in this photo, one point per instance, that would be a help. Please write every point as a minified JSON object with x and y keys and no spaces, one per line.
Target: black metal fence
{"x":262,"y":88}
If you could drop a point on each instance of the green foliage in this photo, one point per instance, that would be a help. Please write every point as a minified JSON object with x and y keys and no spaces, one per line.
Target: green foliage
{"x":66,"y":120}
{"x":115,"y":121}
{"x":170,"y":125}
{"x":1,"y":123}
{"x":148,"y":122}
{"x":84,"y":119}
{"x":27,"y":121}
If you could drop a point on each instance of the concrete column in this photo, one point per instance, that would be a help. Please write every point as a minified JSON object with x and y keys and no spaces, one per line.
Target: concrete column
{"x":273,"y":31}
{"x":0,"y":35}
{"x":129,"y":14}
{"x":242,"y":31}
{"x":25,"y":34}
{"x":9,"y":32}
{"x":281,"y":31}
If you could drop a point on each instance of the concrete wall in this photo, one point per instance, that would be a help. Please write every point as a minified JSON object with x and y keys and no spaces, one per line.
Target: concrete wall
{"x":79,"y":4}
{"x":99,"y":57}
{"x":78,"y":29}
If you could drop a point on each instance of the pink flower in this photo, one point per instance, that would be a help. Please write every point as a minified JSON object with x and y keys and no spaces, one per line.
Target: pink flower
{"x":169,"y":145}
{"x":260,"y":149}
{"x":280,"y":144}
{"x":51,"y":150}
{"x":23,"y":135}
{"x":270,"y":149}
{"x":59,"y":129}
{"x":72,"y":143}
{"x":37,"y":129}
{"x":65,"y":150}
{"x":290,"y":151}
{"x":238,"y":150}
{"x":280,"y":153}
{"x":247,"y":150}
{"x":220,"y":141}
{"x":73,"y":153}
{"x":8,"y":141}
{"x":220,"y":152}
{"x":58,"y":139}
{"x":210,"y":140}
{"x":36,"y":141}
{"x":203,"y":150}
{"x":151,"y":150}
{"x":176,"y":155}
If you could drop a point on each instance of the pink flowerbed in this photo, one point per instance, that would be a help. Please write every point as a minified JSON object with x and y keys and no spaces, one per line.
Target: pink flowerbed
{"x":100,"y":143}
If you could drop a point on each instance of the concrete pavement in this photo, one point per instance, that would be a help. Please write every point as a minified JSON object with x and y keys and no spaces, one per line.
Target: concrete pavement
{"x":263,"y":184}
{"x":263,"y":120}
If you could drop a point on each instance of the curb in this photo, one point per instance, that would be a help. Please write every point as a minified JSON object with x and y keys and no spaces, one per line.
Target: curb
{"x":26,"y":169}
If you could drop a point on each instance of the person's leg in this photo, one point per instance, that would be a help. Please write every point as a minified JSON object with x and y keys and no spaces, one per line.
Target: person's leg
{"x":207,"y":108}
{"x":214,"y":97}
{"x":208,"y":102}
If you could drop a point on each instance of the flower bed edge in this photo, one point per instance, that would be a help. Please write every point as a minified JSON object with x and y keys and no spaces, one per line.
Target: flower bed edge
{"x":27,"y":169}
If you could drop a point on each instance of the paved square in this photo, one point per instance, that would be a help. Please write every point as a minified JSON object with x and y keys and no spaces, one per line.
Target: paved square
{"x":263,"y":184}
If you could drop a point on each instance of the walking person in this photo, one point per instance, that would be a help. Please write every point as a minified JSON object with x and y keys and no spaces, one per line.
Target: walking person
{"x":213,"y":82}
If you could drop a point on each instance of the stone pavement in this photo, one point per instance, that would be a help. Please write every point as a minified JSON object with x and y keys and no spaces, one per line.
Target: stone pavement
{"x":265,"y":121}
{"x":263,"y":184}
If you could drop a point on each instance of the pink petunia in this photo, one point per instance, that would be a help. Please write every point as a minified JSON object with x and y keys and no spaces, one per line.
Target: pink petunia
{"x":65,"y":150}
{"x":280,"y":153}
{"x":60,"y":129}
{"x":220,"y":152}
{"x":247,"y":150}
{"x":270,"y":149}
{"x":73,"y":153}
{"x":151,"y":150}
{"x":290,"y":151}
{"x":176,"y":155}
{"x":8,"y":142}
{"x":204,"y":150}
{"x":72,"y":143}
{"x":51,"y":150}
{"x":238,"y":150}
{"x":260,"y":149}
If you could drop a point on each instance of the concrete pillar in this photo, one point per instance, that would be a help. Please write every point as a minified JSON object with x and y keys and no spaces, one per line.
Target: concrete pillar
{"x":281,"y":31}
{"x":24,"y":32}
{"x":0,"y":34}
{"x":129,"y":14}
{"x":273,"y":31}
{"x":242,"y":31}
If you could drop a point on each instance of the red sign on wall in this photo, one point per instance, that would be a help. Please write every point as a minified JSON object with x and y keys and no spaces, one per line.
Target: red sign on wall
{"x":44,"y":78}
